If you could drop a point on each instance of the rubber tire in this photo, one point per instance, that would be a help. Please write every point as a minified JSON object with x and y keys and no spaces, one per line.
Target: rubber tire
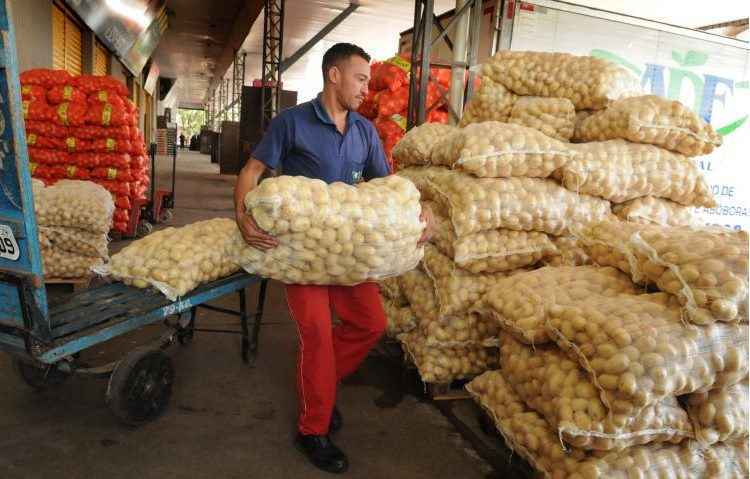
{"x":165,"y":216}
{"x":144,"y":228}
{"x":38,"y":378}
{"x":140,"y":386}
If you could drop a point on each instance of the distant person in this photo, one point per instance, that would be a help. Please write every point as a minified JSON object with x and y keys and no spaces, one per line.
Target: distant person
{"x":182,"y":141}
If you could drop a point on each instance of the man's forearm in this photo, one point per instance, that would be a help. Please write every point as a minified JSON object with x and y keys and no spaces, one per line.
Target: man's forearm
{"x":246,"y":181}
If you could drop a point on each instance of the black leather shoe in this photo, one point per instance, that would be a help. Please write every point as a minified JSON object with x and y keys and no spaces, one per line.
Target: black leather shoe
{"x":322,"y":453}
{"x":337,"y":421}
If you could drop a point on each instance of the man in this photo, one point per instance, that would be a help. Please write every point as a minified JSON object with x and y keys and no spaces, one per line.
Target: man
{"x":325,"y":139}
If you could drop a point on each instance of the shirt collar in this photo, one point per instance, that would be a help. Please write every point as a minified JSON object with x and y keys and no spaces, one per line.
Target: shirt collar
{"x":322,"y":114}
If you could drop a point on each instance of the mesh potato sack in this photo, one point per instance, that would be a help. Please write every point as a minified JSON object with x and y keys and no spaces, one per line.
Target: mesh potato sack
{"x":492,"y":102}
{"x":654,"y":120}
{"x":420,"y":294}
{"x":391,"y":289}
{"x":499,"y":150}
{"x":706,"y":269}
{"x":528,"y":434}
{"x":456,"y":289}
{"x":177,"y":260}
{"x":558,"y":389}
{"x":520,"y":303}
{"x":588,"y":82}
{"x":650,"y":209}
{"x":607,"y":243}
{"x":580,"y":116}
{"x":58,"y":263}
{"x":425,"y":178}
{"x":555,"y":117}
{"x":444,"y":365}
{"x":490,"y":251}
{"x":335,"y":234}
{"x":75,"y":204}
{"x":638,"y":351}
{"x":524,"y":204}
{"x":74,"y":240}
{"x":416,"y":147}
{"x":620,"y":171}
{"x":720,"y":414}
{"x":400,"y":318}
{"x":570,"y":252}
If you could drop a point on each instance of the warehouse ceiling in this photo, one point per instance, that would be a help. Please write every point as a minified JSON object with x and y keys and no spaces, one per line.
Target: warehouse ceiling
{"x":200,"y":40}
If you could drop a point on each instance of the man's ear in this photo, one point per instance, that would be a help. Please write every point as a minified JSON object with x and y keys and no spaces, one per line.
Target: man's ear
{"x":334,"y":75}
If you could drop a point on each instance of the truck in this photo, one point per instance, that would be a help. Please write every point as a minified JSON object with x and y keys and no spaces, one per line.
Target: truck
{"x":704,"y":71}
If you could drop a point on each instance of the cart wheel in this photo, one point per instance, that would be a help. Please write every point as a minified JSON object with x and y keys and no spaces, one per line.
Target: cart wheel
{"x":39,"y":378}
{"x":144,"y":229}
{"x":185,"y":336}
{"x":140,"y":387}
{"x":166,"y":215}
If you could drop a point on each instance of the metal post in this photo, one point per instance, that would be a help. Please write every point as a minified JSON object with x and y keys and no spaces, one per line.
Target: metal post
{"x":459,"y":59}
{"x":420,"y":62}
{"x":476,"y":25}
{"x":416,"y":35}
{"x":427,"y":16}
{"x":273,"y":33}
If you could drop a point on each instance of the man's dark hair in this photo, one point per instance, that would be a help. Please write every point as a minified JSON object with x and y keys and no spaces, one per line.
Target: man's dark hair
{"x":340,"y":52}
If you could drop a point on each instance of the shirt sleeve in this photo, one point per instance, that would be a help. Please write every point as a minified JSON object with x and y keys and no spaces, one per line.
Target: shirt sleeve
{"x":274,"y":145}
{"x":377,"y":165}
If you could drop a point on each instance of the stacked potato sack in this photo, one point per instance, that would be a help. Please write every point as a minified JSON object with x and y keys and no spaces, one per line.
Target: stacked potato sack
{"x":388,"y":99}
{"x":84,"y":127}
{"x":73,"y":218}
{"x":400,"y":316}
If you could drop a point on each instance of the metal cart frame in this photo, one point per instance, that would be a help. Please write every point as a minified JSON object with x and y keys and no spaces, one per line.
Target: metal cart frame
{"x":45,"y":339}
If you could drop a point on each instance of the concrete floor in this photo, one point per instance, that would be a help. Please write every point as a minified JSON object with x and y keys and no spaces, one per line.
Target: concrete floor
{"x":225,"y":420}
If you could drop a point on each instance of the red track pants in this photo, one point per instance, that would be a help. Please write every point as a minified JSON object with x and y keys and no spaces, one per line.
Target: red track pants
{"x":327,"y":353}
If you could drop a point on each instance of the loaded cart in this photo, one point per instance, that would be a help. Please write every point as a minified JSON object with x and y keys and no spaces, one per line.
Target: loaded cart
{"x":45,"y":339}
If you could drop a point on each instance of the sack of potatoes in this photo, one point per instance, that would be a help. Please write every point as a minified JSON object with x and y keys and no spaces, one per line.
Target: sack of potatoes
{"x":561,"y":391}
{"x":653,"y":120}
{"x":570,"y":252}
{"x":73,"y":204}
{"x":639,"y":351}
{"x":400,"y":318}
{"x":493,"y":149}
{"x":337,"y":233}
{"x":74,"y":240}
{"x":620,"y":171}
{"x":528,"y":434}
{"x":58,"y":263}
{"x":417,"y":145}
{"x":588,"y":82}
{"x":720,"y":415}
{"x":555,"y":117}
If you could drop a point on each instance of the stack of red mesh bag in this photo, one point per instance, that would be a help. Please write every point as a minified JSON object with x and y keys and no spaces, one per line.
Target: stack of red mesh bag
{"x":388,"y":99}
{"x":85,"y":128}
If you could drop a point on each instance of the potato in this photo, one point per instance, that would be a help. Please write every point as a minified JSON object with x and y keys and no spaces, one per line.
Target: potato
{"x":588,"y":82}
{"x":570,"y":252}
{"x":555,"y":117}
{"x":519,"y":303}
{"x":334,"y":234}
{"x":176,"y":260}
{"x":424,"y":179}
{"x":620,"y":171}
{"x":73,"y":204}
{"x":493,"y":149}
{"x":492,"y":101}
{"x":639,"y":351}
{"x":416,"y":147}
{"x":558,"y":389}
{"x":456,"y":289}
{"x":653,"y":120}
{"x":650,"y":209}
{"x":74,"y":240}
{"x":444,"y":365}
{"x":528,"y":434}
{"x":490,"y":251}
{"x":420,"y":294}
{"x":521,"y":204}
{"x":400,"y":318}
{"x":59,"y":263}
{"x":705,"y":268}
{"x":720,"y":415}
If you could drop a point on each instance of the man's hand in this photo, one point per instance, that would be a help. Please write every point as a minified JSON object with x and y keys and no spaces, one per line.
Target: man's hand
{"x":426,"y":217}
{"x":253,"y":235}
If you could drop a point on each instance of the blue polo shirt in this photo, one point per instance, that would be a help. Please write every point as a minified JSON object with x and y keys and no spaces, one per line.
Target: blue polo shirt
{"x":304,"y":141}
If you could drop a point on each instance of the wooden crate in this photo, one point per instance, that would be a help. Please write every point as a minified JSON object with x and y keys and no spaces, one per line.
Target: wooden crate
{"x":77,"y":284}
{"x":454,"y":391}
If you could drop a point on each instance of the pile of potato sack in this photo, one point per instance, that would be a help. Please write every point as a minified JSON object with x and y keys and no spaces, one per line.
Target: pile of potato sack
{"x":604,"y":330}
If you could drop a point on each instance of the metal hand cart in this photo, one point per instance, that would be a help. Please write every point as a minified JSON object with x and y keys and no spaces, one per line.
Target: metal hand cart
{"x":44,"y":339}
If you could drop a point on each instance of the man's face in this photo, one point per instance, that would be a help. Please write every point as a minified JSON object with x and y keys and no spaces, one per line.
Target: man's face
{"x":349,"y":80}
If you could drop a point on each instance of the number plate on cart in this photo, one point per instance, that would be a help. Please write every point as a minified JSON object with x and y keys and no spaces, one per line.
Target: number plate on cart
{"x":8,"y":244}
